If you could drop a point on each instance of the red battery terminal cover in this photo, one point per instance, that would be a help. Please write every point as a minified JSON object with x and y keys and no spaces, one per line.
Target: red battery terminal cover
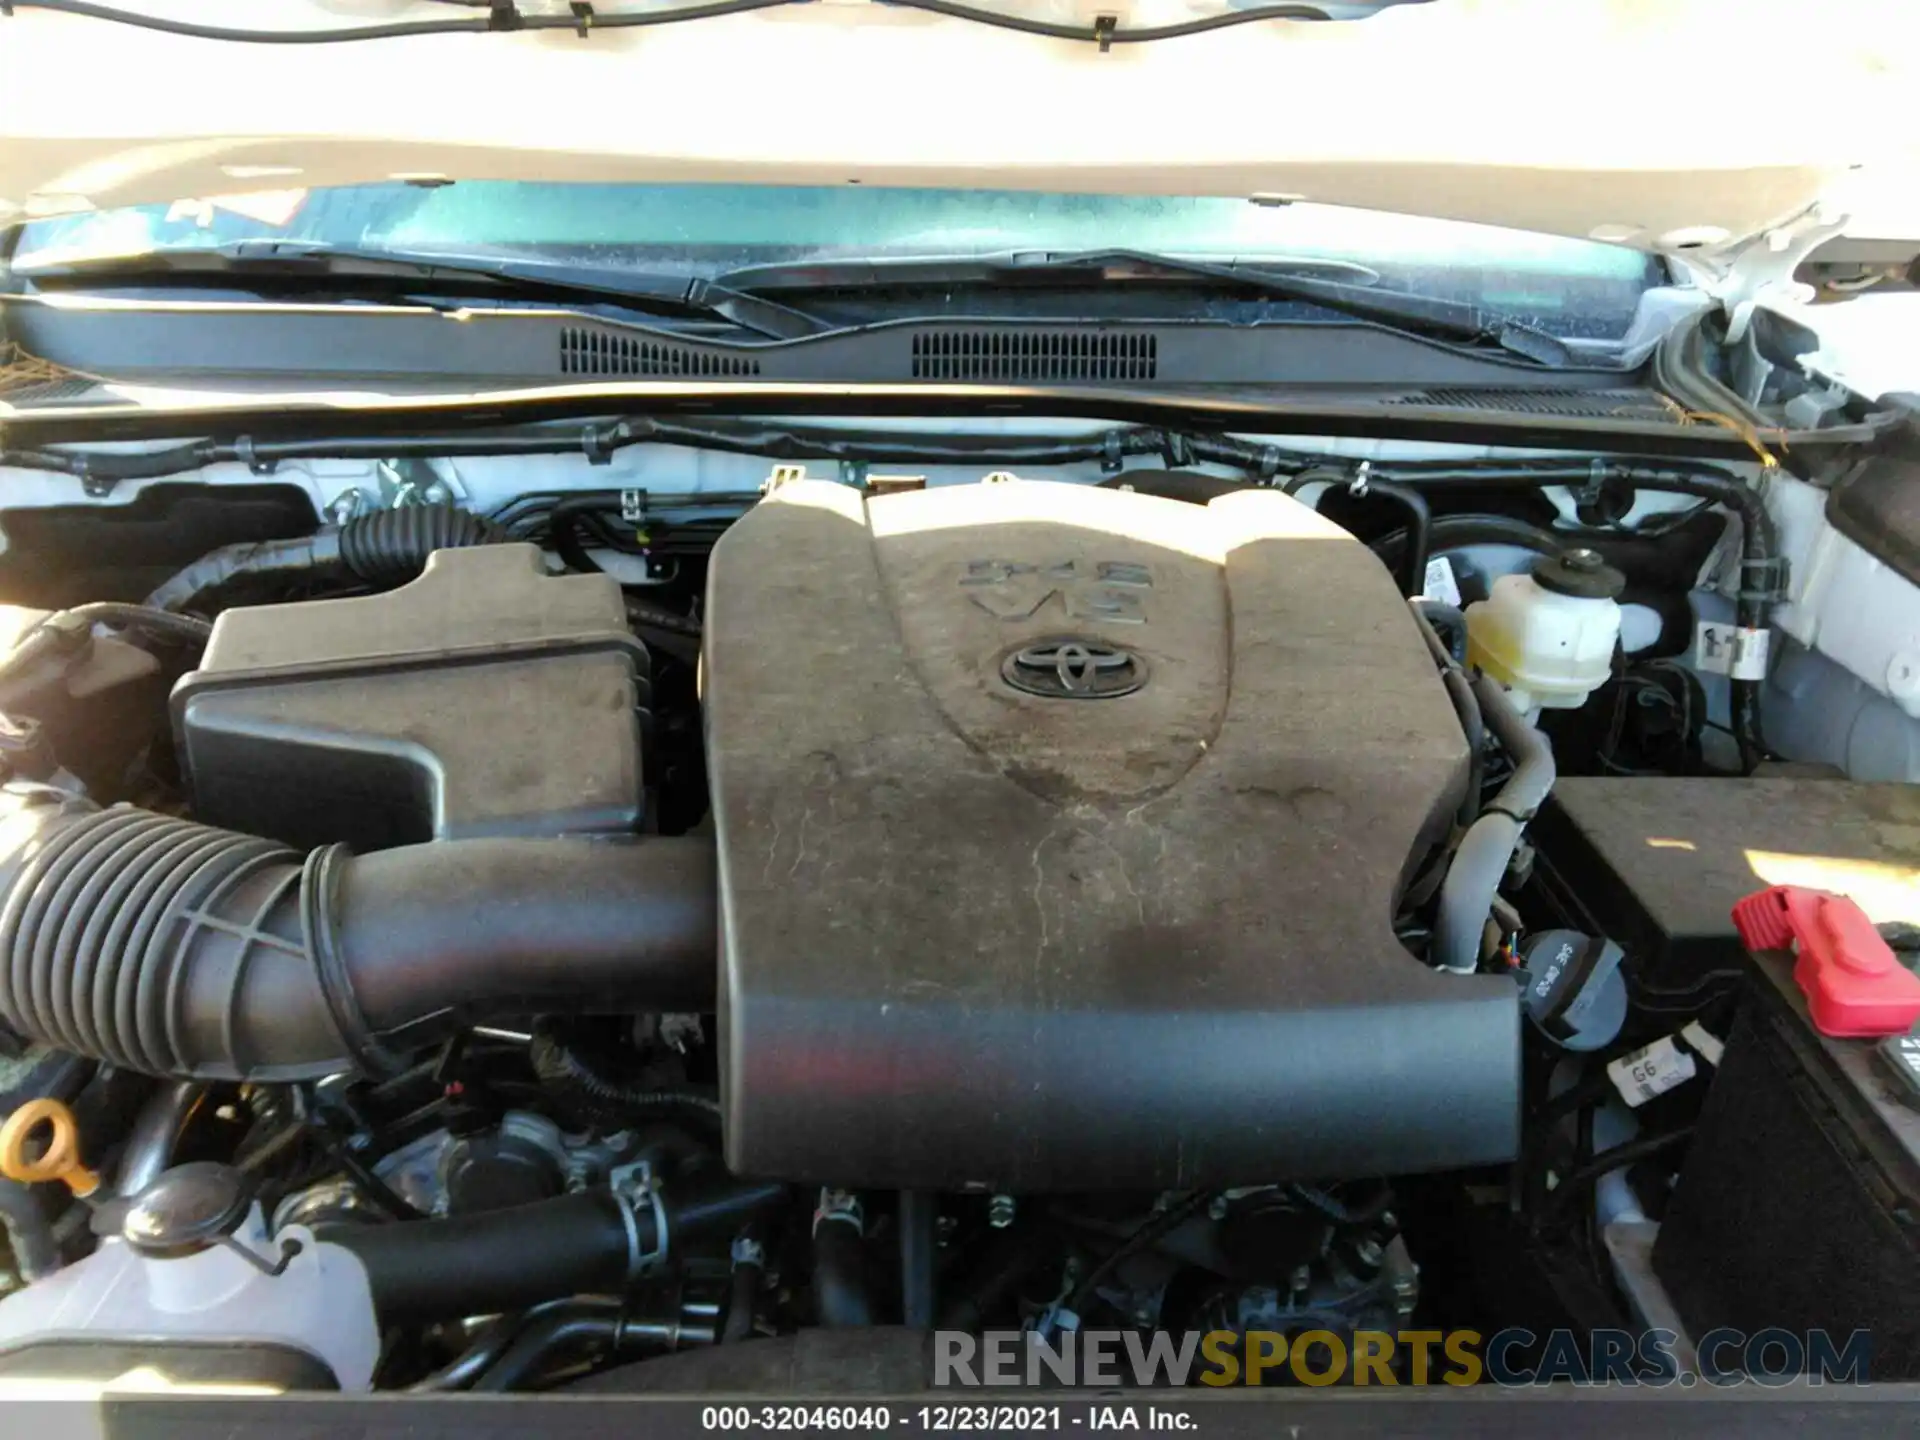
{"x":1853,"y":984}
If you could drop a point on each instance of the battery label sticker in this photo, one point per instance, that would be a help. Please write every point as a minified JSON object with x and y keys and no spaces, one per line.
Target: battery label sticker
{"x":1650,"y":1071}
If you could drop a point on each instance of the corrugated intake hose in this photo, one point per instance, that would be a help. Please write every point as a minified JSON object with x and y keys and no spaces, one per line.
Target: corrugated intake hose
{"x":390,"y":547}
{"x":381,"y":550}
{"x":174,"y":948}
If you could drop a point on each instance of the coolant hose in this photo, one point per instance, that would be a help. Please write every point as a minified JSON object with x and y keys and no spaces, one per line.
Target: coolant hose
{"x":591,"y":1241}
{"x":381,"y":550}
{"x":173,"y":948}
{"x":1486,"y":850}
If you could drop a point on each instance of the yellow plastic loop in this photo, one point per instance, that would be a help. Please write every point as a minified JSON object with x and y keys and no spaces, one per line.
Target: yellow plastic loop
{"x":59,"y":1160}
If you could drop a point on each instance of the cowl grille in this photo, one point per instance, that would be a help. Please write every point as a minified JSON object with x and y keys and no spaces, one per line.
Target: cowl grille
{"x":1033,"y":355}
{"x":599,"y":352}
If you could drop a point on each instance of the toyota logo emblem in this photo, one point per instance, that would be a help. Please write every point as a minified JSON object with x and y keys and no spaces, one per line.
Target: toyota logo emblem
{"x":1070,"y":668}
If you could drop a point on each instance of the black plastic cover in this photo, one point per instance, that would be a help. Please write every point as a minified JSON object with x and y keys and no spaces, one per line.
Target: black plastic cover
{"x":1657,"y":863}
{"x":977,"y":933}
{"x":485,"y":699}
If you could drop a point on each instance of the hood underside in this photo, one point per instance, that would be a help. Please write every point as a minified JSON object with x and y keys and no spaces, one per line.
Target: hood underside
{"x":1633,"y":122}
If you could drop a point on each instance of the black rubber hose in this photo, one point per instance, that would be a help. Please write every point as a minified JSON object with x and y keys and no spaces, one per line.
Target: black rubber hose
{"x":585,"y":1242}
{"x":380,"y":550}
{"x":842,"y":1290}
{"x":479,"y":1357}
{"x":1413,"y":563}
{"x":494,"y":1260}
{"x":173,"y":948}
{"x":1419,"y":531}
{"x":919,"y":1278}
{"x":580,"y":1324}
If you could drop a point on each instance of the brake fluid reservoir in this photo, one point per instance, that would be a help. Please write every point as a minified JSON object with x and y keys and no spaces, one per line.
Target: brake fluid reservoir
{"x":1549,"y":635}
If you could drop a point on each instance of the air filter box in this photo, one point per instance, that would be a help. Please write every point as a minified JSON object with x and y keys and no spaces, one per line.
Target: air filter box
{"x":486,"y":698}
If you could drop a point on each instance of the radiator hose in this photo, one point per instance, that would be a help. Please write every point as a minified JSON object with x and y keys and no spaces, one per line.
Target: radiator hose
{"x":173,"y":948}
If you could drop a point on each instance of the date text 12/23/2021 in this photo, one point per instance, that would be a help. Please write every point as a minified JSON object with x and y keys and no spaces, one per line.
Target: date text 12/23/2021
{"x":942,"y":1419}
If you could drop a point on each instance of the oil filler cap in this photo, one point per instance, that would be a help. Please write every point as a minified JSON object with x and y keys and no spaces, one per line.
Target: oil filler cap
{"x":1575,"y":993}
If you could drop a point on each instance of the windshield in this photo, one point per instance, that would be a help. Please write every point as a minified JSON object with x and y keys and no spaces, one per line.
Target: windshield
{"x":1571,"y":287}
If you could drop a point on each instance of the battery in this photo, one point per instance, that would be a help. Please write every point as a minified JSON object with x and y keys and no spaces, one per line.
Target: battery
{"x":1798,"y":1206}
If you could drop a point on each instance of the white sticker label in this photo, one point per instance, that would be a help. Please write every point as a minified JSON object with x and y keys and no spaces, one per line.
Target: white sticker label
{"x":1705,"y":1043}
{"x":1750,"y":654}
{"x":1731,"y":650}
{"x":1649,"y":1071}
{"x":1440,"y":583}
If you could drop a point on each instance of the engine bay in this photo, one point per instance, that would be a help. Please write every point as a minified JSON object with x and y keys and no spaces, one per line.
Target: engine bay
{"x":470,"y":929}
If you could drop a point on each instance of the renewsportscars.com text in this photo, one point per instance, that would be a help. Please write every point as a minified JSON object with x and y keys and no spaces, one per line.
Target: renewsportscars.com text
{"x":1405,"y":1357}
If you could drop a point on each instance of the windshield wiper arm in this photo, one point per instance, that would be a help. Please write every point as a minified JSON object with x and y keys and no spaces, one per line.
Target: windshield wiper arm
{"x":1305,"y":280}
{"x":341,"y":266}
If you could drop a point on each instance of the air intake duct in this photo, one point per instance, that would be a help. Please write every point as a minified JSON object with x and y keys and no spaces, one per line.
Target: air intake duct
{"x":175,"y":948}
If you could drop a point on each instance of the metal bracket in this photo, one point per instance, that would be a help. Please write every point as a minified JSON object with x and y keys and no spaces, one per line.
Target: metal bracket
{"x":1763,"y":268}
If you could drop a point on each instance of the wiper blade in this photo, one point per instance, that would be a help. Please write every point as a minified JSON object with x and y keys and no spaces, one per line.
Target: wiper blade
{"x":1338,"y":285}
{"x":342,"y":266}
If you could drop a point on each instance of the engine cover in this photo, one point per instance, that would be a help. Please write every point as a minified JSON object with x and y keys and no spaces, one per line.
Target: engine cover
{"x":1060,"y":833}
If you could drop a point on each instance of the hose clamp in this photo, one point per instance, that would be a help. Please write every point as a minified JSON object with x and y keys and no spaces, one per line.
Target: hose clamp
{"x":1361,"y":479}
{"x":839,"y":1207}
{"x":319,"y":883}
{"x":634,"y":1189}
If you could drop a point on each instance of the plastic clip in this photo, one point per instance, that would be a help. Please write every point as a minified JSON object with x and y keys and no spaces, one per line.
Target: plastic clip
{"x":1853,"y":983}
{"x":1178,"y":451}
{"x":95,"y":487}
{"x":1104,"y":27}
{"x":1763,"y":580}
{"x":597,"y":444}
{"x":244,"y":448}
{"x":583,"y":18}
{"x":504,"y":15}
{"x":1361,"y":479}
{"x":1112,"y":453}
{"x":1591,"y":493}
